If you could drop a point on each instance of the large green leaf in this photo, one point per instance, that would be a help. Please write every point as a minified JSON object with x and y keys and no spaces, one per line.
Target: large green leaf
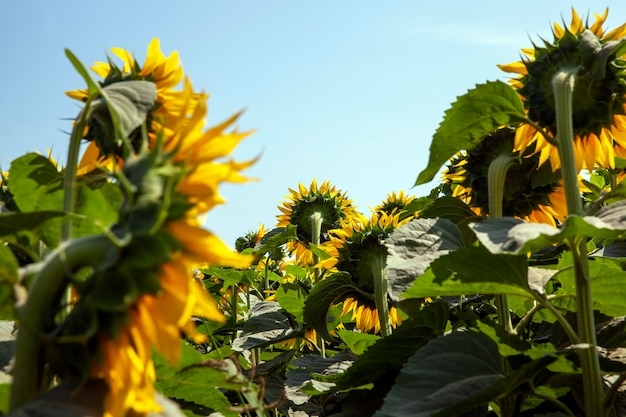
{"x":357,"y":342}
{"x":195,"y":381}
{"x":336,"y":287}
{"x":607,"y":279}
{"x":37,"y":186}
{"x":291,"y":297}
{"x":452,"y":375}
{"x":509,"y":235}
{"x":265,"y":325}
{"x":25,"y":229}
{"x":472,"y":270}
{"x":119,"y":108}
{"x":470,"y":118}
{"x":312,"y":374}
{"x":413,"y":246}
{"x":383,"y":359}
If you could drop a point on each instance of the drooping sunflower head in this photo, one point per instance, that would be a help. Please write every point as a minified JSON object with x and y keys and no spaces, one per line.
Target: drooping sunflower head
{"x":395,"y":202}
{"x":165,"y":72}
{"x":599,"y":98}
{"x":333,"y":206}
{"x":358,"y":249}
{"x":531,"y":191}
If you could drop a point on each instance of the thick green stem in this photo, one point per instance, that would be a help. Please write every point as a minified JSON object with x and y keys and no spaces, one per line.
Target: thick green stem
{"x":378,"y":263}
{"x":316,"y":236}
{"x":496,"y":178}
{"x":563,"y":86}
{"x":69,"y":183}
{"x":43,"y":295}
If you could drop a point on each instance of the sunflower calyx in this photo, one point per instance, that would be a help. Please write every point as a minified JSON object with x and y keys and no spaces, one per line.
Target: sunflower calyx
{"x":596,"y":55}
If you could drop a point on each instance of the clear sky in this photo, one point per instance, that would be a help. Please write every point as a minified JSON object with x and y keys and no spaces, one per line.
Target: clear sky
{"x":347,"y":91}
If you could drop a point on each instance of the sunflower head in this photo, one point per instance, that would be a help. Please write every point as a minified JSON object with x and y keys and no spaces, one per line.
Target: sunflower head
{"x":395,"y":202}
{"x":353,"y":247}
{"x":529,"y":188}
{"x":333,"y":206}
{"x":599,"y":97}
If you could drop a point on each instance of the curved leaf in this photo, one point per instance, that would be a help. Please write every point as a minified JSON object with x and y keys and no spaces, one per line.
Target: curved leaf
{"x":509,"y":235}
{"x":413,"y":246}
{"x":454,"y":374}
{"x":473,"y":270}
{"x":470,"y":118}
{"x":334,"y":288}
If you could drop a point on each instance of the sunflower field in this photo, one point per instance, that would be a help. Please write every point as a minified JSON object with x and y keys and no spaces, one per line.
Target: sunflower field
{"x":500,"y":293}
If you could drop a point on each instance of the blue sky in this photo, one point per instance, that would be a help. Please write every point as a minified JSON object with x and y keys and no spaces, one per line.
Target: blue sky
{"x":346,"y":91}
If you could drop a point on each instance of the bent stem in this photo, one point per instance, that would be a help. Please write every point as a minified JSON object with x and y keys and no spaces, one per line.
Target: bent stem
{"x":563,"y":87}
{"x":44,"y":292}
{"x":496,"y":178}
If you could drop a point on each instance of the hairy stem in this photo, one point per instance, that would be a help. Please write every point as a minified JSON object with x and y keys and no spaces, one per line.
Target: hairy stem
{"x":44,"y":293}
{"x":496,"y":178}
{"x":563,"y":87}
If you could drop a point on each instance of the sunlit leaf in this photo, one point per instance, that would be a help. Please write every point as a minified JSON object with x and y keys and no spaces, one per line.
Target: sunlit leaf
{"x":357,"y":342}
{"x":196,"y":381}
{"x":509,"y":235}
{"x":291,"y":297}
{"x":607,"y":279}
{"x":37,"y":186}
{"x":472,"y":270}
{"x":413,"y":246}
{"x":470,"y":118}
{"x":266,"y":325}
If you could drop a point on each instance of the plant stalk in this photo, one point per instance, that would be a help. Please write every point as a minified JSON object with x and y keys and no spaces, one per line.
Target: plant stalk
{"x":44,"y":293}
{"x":316,"y":236}
{"x":563,"y":86}
{"x":378,"y":263}
{"x":496,"y":178}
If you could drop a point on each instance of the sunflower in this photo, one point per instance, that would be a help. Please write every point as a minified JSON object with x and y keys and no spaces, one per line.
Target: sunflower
{"x":351,"y":249}
{"x":599,"y":113}
{"x":166,"y":73}
{"x":333,"y":205}
{"x":398,"y":202}
{"x":532,"y":191}
{"x":175,"y":181}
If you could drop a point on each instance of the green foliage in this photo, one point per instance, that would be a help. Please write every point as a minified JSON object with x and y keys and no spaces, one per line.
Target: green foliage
{"x":8,"y":279}
{"x":470,"y":118}
{"x":37,"y":187}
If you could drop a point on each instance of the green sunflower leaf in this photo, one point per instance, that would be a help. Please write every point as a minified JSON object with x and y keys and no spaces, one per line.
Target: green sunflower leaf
{"x":607,"y":285}
{"x":313,"y":375}
{"x":356,"y":341}
{"x":24,"y":230}
{"x":454,"y":374}
{"x":470,"y":118}
{"x":335,"y":288}
{"x":413,"y":246}
{"x":291,"y":297}
{"x":509,"y":235}
{"x":473,"y":270}
{"x":195,"y":382}
{"x":37,"y":186}
{"x":383,"y":360}
{"x":266,"y":325}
